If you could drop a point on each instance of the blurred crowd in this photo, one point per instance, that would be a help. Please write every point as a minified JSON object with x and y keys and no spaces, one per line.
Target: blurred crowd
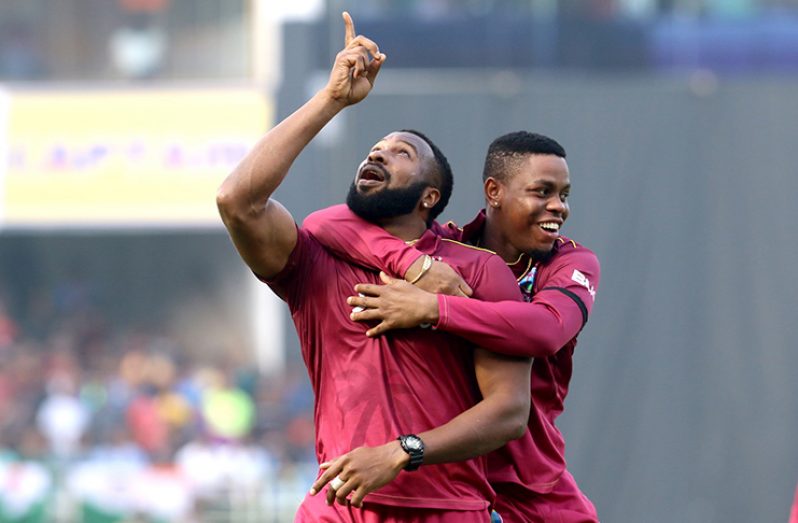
{"x":142,"y":40}
{"x":103,"y":416}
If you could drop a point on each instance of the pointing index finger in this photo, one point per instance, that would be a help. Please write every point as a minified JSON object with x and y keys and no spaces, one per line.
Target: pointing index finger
{"x":349,"y":33}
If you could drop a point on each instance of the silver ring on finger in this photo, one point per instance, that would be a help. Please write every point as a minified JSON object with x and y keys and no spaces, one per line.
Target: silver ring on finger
{"x":336,"y":483}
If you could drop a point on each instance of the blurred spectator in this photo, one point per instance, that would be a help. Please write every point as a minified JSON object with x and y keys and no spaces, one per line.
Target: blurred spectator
{"x":62,"y":417}
{"x":138,"y":47}
{"x":227,"y":410}
{"x":148,"y":429}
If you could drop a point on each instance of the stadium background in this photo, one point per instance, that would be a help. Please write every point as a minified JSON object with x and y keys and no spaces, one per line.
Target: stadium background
{"x":144,"y":375}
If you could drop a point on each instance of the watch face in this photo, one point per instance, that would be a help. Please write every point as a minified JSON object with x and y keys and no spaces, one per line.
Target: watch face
{"x":413,"y":443}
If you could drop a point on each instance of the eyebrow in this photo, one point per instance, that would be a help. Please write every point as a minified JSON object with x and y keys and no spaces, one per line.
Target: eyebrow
{"x":549,"y":183}
{"x":411,"y":146}
{"x":415,"y":150}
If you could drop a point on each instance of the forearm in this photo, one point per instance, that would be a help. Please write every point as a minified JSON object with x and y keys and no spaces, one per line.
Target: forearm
{"x":360,"y":242}
{"x":485,"y":427}
{"x":262,"y":230}
{"x":537,"y":329}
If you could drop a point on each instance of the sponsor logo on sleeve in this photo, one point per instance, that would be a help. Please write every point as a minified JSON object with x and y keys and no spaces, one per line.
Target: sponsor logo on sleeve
{"x":582,"y":280}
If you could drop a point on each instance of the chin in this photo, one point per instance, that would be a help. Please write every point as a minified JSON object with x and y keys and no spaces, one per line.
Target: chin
{"x":539,"y":246}
{"x":541,"y":253}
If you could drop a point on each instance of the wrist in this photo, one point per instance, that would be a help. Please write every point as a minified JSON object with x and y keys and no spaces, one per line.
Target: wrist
{"x":414,"y":269}
{"x":431,"y":309}
{"x":423,"y":265}
{"x":332,"y":103}
{"x":413,"y":446}
{"x":398,"y":457}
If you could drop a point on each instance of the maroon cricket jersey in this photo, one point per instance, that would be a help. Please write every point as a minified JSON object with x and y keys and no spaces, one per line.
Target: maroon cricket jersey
{"x":367,"y":390}
{"x":559,"y":295}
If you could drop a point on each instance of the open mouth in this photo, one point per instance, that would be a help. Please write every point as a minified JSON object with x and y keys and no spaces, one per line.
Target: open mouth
{"x":371,"y":174}
{"x":550,"y":227}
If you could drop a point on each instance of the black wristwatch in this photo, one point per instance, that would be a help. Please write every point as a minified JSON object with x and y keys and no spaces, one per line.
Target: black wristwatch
{"x":413,"y":445}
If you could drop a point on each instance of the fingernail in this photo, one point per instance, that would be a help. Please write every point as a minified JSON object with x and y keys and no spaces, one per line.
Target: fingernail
{"x":312,"y":491}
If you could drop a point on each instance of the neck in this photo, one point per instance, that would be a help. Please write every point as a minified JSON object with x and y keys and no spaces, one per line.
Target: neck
{"x":407,"y":228}
{"x":493,"y":239}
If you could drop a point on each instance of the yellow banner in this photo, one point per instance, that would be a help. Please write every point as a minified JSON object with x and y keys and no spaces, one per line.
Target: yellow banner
{"x":129,"y":158}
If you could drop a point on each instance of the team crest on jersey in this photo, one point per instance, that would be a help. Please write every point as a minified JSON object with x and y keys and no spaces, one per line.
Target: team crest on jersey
{"x":582,"y":280}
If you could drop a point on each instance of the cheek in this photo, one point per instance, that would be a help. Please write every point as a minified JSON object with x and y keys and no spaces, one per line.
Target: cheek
{"x":519,"y":221}
{"x":523,"y":211}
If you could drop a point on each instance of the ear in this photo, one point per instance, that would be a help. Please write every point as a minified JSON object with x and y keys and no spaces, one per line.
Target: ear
{"x":494,"y":192}
{"x":430,"y":197}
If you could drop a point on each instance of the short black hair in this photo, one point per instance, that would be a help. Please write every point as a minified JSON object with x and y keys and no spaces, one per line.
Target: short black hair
{"x":512,"y":146}
{"x":444,"y":175}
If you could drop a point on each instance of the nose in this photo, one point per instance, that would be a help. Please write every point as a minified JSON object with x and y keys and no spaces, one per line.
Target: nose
{"x":557,"y":206}
{"x":376,"y":156}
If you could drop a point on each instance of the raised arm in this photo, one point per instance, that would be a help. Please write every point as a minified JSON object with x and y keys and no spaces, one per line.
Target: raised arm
{"x":501,"y":416}
{"x":262,"y":230}
{"x":539,"y":328}
{"x":366,"y":244}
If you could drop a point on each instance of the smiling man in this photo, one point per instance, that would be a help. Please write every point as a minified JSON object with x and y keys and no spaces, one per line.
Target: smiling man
{"x":527,"y":184}
{"x":396,"y":402}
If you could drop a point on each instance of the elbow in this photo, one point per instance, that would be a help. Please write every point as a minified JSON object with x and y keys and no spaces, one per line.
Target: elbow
{"x":519,"y":423}
{"x":224,"y":199}
{"x":515,"y":418}
{"x":230,"y":204}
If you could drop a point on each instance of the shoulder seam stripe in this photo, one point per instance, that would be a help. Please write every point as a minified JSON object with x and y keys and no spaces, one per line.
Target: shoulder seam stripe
{"x":562,"y":242}
{"x":574,"y":297}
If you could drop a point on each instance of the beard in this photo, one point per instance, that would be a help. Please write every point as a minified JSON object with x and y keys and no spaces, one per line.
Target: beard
{"x":385,"y":203}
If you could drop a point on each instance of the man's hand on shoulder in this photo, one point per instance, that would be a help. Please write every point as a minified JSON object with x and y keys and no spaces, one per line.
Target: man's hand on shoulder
{"x":396,"y":305}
